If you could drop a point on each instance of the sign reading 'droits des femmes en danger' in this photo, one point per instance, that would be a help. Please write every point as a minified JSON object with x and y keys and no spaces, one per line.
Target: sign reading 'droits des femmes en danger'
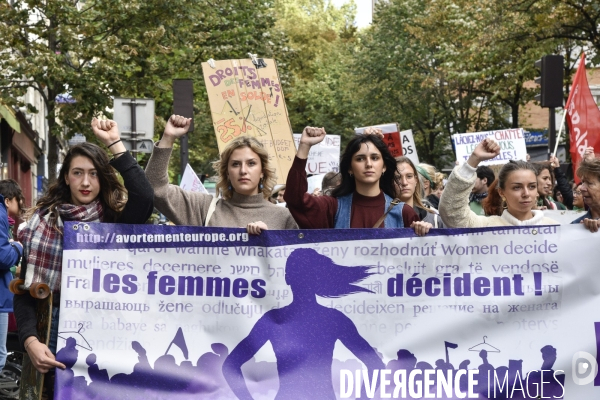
{"x":155,"y":312}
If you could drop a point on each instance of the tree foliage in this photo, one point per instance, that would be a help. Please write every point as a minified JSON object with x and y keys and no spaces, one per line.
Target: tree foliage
{"x":320,"y":38}
{"x":437,"y":67}
{"x":93,"y":51}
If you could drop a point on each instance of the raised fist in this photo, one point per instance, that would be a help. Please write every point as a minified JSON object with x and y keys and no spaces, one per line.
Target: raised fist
{"x":312,"y":136}
{"x":177,"y":126}
{"x":105,"y":130}
{"x":374,"y":131}
{"x":487,"y":149}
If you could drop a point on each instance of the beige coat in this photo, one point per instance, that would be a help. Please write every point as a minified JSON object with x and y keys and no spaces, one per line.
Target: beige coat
{"x":189,"y":208}
{"x":456,"y":213}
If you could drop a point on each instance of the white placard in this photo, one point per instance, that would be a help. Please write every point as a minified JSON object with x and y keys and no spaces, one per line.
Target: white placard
{"x":191,"y":182}
{"x":564,"y":217}
{"x":323,"y":157}
{"x":511,"y":141}
{"x":409,"y":148}
{"x":315,"y":181}
{"x":400,"y":143}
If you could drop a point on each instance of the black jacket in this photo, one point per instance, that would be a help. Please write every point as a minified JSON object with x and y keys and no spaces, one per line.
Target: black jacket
{"x":138,"y":209}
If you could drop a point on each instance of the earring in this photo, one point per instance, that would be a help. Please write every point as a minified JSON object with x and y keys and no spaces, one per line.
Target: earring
{"x":260,"y":185}
{"x":504,"y":205}
{"x":351,"y":174}
{"x":229,"y":187}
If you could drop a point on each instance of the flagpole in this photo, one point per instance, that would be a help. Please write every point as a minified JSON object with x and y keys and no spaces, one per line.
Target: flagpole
{"x":582,"y":58}
{"x":562,"y":125}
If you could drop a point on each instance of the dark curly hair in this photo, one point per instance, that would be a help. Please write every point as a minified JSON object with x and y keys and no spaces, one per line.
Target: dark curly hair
{"x":113,"y":194}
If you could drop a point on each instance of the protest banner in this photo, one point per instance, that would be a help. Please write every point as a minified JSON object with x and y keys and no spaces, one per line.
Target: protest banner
{"x":511,"y":141}
{"x":245,"y":100}
{"x":323,"y":157}
{"x":191,"y":182}
{"x":154,"y":312}
{"x":563,"y":217}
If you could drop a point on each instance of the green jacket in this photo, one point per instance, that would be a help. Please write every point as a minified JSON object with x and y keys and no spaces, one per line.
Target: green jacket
{"x":476,"y":207}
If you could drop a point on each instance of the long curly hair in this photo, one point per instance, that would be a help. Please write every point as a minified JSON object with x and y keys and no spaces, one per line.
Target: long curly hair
{"x":386,"y":182}
{"x":113,"y":194}
{"x":220,"y":166}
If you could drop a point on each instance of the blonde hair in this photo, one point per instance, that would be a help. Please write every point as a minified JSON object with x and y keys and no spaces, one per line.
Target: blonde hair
{"x":430,"y":171}
{"x":439,"y":179}
{"x":268,"y":181}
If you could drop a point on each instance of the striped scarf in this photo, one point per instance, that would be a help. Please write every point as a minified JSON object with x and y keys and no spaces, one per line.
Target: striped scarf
{"x":43,"y":243}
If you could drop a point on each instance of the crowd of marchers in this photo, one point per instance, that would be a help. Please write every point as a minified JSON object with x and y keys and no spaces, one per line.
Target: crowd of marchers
{"x":371,"y":190}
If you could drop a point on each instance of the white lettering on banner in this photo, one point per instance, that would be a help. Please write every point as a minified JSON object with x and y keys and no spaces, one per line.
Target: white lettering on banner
{"x":446,"y":385}
{"x":478,"y":314}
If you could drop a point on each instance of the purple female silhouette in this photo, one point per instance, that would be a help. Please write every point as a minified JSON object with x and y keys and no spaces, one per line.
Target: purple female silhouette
{"x":303,"y":334}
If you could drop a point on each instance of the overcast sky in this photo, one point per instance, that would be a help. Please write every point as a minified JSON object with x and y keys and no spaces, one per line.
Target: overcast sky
{"x":363,"y":12}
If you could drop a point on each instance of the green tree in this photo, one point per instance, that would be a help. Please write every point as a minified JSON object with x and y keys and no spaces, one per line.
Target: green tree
{"x":568,"y":21}
{"x":450,"y":66}
{"x":320,"y":38}
{"x":476,"y":44}
{"x":93,"y":51}
{"x":403,"y":80}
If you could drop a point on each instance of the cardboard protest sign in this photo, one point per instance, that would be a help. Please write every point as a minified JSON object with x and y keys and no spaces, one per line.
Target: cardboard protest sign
{"x":323,"y":157}
{"x":511,"y":141}
{"x":245,"y":100}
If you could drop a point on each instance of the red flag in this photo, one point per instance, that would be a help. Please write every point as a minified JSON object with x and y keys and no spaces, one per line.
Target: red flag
{"x":583,"y":117}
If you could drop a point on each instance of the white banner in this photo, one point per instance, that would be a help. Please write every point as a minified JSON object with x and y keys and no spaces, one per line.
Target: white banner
{"x":176,"y":312}
{"x":323,"y":157}
{"x":564,"y":217}
{"x":511,"y":141}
